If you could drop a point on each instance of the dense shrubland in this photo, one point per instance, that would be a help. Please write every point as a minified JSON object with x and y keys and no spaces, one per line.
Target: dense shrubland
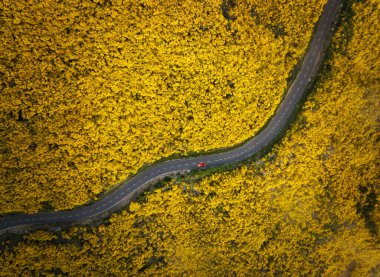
{"x":93,"y":90}
{"x":310,"y":207}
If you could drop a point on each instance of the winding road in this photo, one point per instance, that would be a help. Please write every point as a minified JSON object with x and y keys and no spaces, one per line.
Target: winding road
{"x":122,"y":195}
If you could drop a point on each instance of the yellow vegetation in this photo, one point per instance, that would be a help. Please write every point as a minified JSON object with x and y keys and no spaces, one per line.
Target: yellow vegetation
{"x":93,"y":90}
{"x":309,"y":208}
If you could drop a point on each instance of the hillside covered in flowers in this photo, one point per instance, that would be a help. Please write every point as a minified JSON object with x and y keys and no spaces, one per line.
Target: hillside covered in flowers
{"x":94,"y":90}
{"x":310,"y":207}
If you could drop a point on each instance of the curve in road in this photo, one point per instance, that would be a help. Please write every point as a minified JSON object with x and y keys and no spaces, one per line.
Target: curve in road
{"x":278,"y":122}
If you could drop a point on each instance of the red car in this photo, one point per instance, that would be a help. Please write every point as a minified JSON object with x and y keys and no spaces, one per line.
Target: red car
{"x":201,"y":165}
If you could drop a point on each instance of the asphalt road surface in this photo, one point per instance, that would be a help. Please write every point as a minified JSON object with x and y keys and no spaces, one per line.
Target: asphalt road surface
{"x":278,"y":122}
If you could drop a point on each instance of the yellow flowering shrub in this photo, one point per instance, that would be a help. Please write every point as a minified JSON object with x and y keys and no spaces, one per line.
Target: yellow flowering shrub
{"x":94,"y":90}
{"x":309,"y":208}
